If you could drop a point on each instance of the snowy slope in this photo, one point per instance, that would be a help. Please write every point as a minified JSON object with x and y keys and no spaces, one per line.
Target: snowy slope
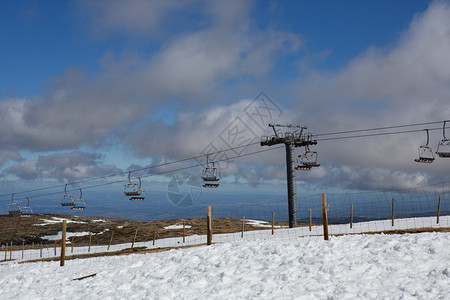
{"x":410,"y":266}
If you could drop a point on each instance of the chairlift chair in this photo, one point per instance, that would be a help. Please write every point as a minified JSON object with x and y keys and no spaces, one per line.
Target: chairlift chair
{"x":14,"y":208}
{"x":209,"y":175}
{"x":26,"y":211}
{"x":443,"y":148}
{"x":133,"y":190}
{"x":307,"y":159}
{"x":425,"y":152}
{"x":79,"y":204}
{"x":140,"y":196}
{"x":67,"y":199}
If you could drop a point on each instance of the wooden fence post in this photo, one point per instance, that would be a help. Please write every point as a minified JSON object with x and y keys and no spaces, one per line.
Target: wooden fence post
{"x":439,"y":210}
{"x":23,"y":249}
{"x":110,"y":241}
{"x":134,"y":239}
{"x":273,"y":222}
{"x":243,"y":225}
{"x":41,"y":249}
{"x":310,"y":220}
{"x":55,"y":247}
{"x":324,"y":216}
{"x":10,"y":251}
{"x":393,"y":210}
{"x":90,"y":240}
{"x":6,"y":251}
{"x":72,"y":244}
{"x":208,"y":225}
{"x":184,"y":231}
{"x":154,"y":234}
{"x":351,"y":216}
{"x":63,"y":244}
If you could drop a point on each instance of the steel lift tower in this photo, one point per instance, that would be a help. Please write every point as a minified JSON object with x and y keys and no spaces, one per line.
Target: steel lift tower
{"x":293,"y":137}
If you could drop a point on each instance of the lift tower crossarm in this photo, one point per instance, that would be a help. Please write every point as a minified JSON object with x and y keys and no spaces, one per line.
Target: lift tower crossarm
{"x":298,"y":140}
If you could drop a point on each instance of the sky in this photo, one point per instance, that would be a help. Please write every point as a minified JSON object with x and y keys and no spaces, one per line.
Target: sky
{"x":93,"y":88}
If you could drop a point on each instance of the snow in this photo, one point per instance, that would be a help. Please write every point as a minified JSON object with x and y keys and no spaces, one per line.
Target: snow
{"x":54,"y":220}
{"x":259,"y":223}
{"x":410,"y":266}
{"x":260,"y":265}
{"x":58,"y":236}
{"x":177,"y":226}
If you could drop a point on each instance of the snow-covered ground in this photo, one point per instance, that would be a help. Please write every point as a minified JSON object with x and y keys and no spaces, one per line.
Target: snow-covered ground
{"x":54,"y":220}
{"x":177,"y":226}
{"x":409,"y":266}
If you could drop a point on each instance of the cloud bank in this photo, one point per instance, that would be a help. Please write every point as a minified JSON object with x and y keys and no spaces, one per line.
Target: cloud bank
{"x":197,"y":67}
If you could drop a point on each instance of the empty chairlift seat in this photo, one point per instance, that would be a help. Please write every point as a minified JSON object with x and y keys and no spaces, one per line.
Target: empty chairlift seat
{"x":67,"y":199}
{"x":79,"y":204}
{"x":307,"y":160}
{"x":133,"y":190}
{"x":26,"y":211}
{"x":210,"y":179}
{"x":425,"y":152}
{"x":14,"y":208}
{"x":425,"y":155}
{"x":443,"y":148}
{"x":209,"y":175}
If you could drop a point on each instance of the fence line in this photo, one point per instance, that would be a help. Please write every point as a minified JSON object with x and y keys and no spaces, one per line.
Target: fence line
{"x":346,"y":214}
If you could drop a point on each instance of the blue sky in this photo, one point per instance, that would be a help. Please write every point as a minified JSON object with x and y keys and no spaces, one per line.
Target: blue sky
{"x":91,"y":88}
{"x":44,"y":38}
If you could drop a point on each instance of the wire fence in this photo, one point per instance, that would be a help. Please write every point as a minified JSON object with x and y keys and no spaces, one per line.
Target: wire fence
{"x":350,"y":213}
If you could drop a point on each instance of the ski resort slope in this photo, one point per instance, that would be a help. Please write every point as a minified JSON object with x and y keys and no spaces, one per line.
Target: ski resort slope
{"x":409,"y":266}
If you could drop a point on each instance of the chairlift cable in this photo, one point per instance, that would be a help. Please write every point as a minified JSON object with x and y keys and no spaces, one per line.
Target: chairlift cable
{"x":150,"y":175}
{"x":381,"y":128}
{"x":227,"y":159}
{"x":126,"y":172}
{"x":242,"y":146}
{"x":374,"y":134}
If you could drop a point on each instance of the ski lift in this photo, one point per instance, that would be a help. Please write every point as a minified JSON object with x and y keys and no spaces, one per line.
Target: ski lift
{"x":443,"y":148}
{"x":133,"y":190}
{"x":209,"y":175}
{"x":14,"y":207}
{"x":425,"y":152}
{"x":79,"y":204}
{"x":307,"y":159}
{"x":26,"y":211}
{"x":67,"y":199}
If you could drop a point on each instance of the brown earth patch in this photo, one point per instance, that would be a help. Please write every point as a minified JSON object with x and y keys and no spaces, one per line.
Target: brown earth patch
{"x":31,"y":231}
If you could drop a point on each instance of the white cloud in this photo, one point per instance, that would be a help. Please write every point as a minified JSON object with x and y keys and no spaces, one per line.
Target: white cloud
{"x":9,"y":155}
{"x":412,"y":77}
{"x":138,"y":17}
{"x":63,"y":167}
{"x":406,"y":83}
{"x":192,"y":67}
